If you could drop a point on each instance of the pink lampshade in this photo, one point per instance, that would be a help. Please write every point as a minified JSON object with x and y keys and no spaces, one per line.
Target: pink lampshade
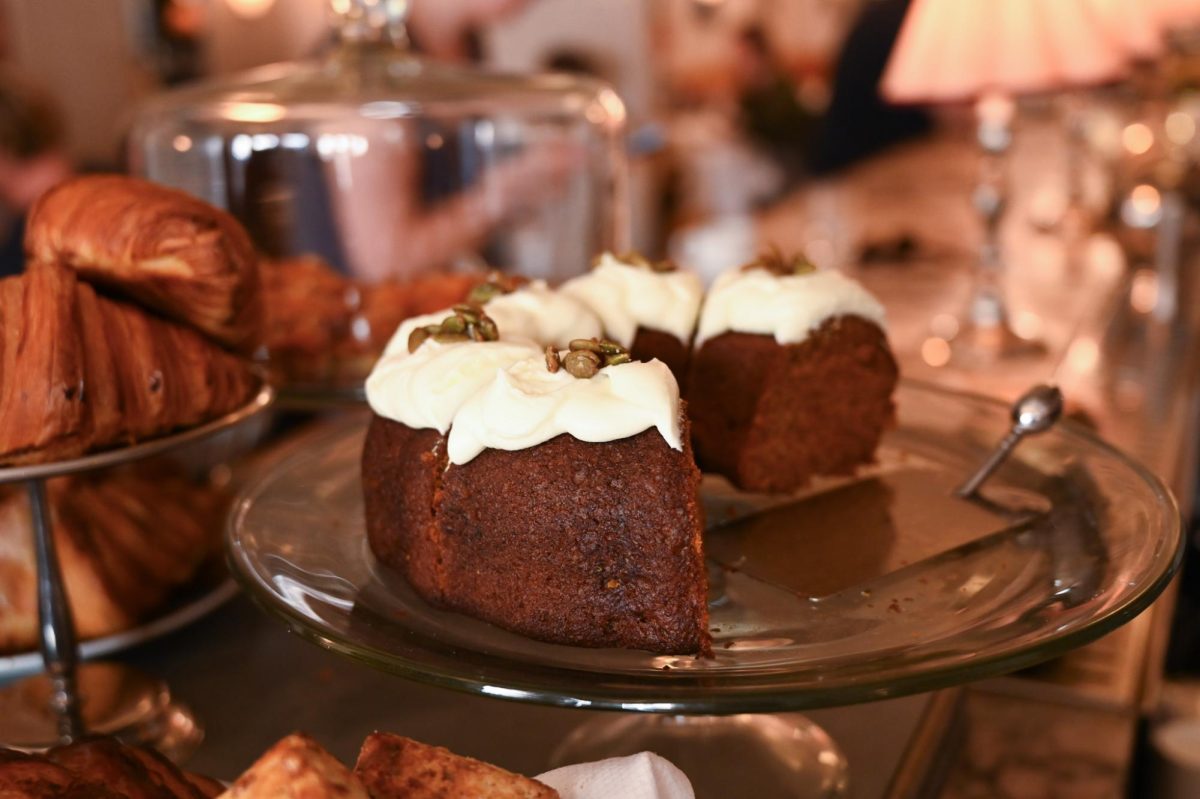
{"x":950,"y":50}
{"x":1134,"y":25}
{"x":1172,"y":13}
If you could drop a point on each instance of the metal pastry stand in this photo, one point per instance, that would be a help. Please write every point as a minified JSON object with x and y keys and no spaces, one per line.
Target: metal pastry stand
{"x":71,"y":700}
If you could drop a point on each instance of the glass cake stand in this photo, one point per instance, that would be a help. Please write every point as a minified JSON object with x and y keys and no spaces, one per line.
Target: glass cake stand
{"x":71,"y":701}
{"x":858,"y":589}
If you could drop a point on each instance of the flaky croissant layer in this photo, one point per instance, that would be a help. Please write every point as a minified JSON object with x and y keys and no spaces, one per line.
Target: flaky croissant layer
{"x":80,"y":372}
{"x":178,"y":255}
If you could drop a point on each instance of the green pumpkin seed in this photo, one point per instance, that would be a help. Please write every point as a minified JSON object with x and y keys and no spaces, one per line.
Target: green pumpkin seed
{"x":450,"y":338}
{"x":454,"y":324}
{"x":417,"y":338}
{"x":584,"y":345}
{"x":582,"y":363}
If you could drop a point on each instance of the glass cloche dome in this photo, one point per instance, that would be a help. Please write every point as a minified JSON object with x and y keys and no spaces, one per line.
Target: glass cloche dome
{"x":386,"y":165}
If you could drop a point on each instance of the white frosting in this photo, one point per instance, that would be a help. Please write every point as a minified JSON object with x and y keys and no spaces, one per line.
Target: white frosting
{"x":788,"y":307}
{"x":534,"y":312}
{"x":526,"y":405}
{"x":398,"y":344}
{"x":427,"y":388}
{"x":627,"y":297}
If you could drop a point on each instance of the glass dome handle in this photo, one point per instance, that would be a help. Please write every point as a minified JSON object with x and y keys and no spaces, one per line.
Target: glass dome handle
{"x":372,"y":20}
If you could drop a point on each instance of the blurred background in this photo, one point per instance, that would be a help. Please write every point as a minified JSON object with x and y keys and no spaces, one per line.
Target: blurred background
{"x":1018,"y":180}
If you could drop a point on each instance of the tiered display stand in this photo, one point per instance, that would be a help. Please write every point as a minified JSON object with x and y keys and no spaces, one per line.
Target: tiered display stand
{"x":70,"y":700}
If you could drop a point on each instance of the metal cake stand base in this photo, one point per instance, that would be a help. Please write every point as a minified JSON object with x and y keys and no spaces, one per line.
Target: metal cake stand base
{"x":68,"y":702}
{"x":112,"y":700}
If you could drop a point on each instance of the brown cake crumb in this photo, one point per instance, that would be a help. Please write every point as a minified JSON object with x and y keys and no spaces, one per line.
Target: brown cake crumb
{"x":547,"y":519}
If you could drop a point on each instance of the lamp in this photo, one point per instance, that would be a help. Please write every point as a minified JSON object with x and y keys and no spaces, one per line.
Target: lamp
{"x":1136,"y":26}
{"x":987,"y":51}
{"x":1175,"y":13}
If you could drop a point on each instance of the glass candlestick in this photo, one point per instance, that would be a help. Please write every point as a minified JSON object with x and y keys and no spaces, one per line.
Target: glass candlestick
{"x":985,"y":334}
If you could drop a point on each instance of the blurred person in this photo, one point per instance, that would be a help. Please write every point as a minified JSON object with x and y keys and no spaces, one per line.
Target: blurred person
{"x":447,"y":30}
{"x":398,"y":199}
{"x":179,"y":27}
{"x":429,"y":193}
{"x":859,"y":122}
{"x":32,"y":159}
{"x":397,"y":220}
{"x":770,"y":108}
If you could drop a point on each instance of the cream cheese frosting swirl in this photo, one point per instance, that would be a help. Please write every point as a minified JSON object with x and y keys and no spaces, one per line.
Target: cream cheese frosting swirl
{"x":426,"y":388}
{"x":526,"y":404}
{"x":626,"y":297}
{"x":788,"y":307}
{"x":534,"y":312}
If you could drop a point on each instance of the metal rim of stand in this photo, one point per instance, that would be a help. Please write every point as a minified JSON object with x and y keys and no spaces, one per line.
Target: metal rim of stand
{"x":56,"y":627}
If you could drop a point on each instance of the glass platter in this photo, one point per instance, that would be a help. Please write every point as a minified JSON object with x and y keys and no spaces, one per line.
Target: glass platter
{"x":859,"y":589}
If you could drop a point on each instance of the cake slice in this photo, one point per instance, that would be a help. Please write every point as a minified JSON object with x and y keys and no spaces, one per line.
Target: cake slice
{"x":554,"y":496}
{"x":126,"y":539}
{"x":394,"y":767}
{"x":648,"y":307}
{"x":791,"y":376}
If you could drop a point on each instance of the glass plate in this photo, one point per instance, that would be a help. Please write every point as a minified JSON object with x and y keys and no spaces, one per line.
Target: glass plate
{"x":858,"y":589}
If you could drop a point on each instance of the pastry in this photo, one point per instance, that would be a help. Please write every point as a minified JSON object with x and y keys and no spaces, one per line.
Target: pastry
{"x":80,"y":372}
{"x":98,"y":768}
{"x":791,"y":376}
{"x":126,"y":540}
{"x":297,"y":767}
{"x":161,"y":247}
{"x":491,"y":464}
{"x":323,"y":328}
{"x":394,"y":767}
{"x":554,"y":493}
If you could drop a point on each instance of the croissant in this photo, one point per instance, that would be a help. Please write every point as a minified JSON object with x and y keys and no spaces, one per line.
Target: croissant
{"x":80,"y":372}
{"x":125,"y":540}
{"x":178,"y":255}
{"x":98,"y":768}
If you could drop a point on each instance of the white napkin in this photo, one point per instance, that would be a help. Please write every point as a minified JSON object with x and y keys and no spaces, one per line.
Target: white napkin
{"x":641,"y":776}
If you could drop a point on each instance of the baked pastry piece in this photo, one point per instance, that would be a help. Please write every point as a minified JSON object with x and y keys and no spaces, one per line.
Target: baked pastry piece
{"x":557,"y":504}
{"x":791,"y":376}
{"x":126,"y":540}
{"x":649,"y":308}
{"x":26,"y":776}
{"x":323,"y":328}
{"x":120,"y":770}
{"x":297,"y":767}
{"x":394,"y":767}
{"x":166,"y":249}
{"x":98,"y":768}
{"x":80,"y":372}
